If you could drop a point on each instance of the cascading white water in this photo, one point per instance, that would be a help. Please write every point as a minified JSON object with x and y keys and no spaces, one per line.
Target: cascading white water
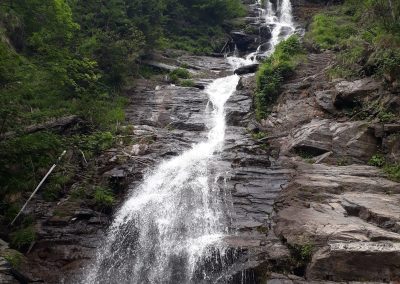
{"x":286,"y":17}
{"x":163,"y":229}
{"x":280,"y":21}
{"x":175,"y":220}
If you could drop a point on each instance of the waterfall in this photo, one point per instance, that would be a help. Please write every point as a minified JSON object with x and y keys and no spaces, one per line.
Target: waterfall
{"x":270,"y":15}
{"x":286,"y":17}
{"x":282,"y":26}
{"x":162,"y":231}
{"x":177,"y":217}
{"x":280,"y":21}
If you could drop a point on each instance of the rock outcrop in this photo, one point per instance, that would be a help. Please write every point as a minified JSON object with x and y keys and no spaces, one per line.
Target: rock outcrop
{"x":336,"y":209}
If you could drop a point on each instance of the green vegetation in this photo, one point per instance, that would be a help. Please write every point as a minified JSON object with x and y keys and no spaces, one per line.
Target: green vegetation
{"x":274,"y":70}
{"x":104,"y":199}
{"x":301,"y":255}
{"x":366,"y":34}
{"x":386,"y":116}
{"x":23,"y":238}
{"x":377,"y":160}
{"x":67,"y":57}
{"x":178,"y":74}
{"x":13,"y":257}
{"x":187,"y":83}
{"x":259,"y":135}
{"x":198,"y":25}
{"x":393,"y":171}
{"x":390,"y":168}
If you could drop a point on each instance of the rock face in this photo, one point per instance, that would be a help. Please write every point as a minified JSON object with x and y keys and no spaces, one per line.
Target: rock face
{"x":346,"y":260}
{"x":342,"y":213}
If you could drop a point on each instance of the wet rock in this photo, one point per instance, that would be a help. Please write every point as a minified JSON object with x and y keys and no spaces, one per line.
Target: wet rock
{"x":204,"y":63}
{"x":251,"y":68}
{"x":285,"y":30}
{"x":383,"y":130}
{"x":243,"y":41}
{"x":325,"y":219}
{"x":247,"y":83}
{"x":327,"y":205}
{"x":392,"y":146}
{"x":115,"y":173}
{"x":6,"y":273}
{"x":353,"y":92}
{"x":84,"y":213}
{"x":383,"y":211}
{"x":375,"y":261}
{"x":265,"y":32}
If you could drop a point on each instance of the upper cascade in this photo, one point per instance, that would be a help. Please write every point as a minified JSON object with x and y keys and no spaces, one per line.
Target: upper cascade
{"x":278,"y":19}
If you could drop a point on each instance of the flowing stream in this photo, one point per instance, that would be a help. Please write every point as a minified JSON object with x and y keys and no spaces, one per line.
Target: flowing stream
{"x":177,"y":217}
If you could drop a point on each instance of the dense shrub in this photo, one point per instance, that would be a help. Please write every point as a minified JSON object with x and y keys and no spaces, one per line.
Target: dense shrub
{"x":274,"y":70}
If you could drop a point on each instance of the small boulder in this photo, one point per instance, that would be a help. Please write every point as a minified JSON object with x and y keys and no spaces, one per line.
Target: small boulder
{"x":265,"y":32}
{"x":325,"y":100}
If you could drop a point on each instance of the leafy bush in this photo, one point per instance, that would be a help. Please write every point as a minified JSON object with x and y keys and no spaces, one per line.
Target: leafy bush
{"x":259,"y":135}
{"x":104,"y":198}
{"x":180,"y":73}
{"x":377,"y":161}
{"x":274,"y":70}
{"x":393,"y":170}
{"x":176,"y":75}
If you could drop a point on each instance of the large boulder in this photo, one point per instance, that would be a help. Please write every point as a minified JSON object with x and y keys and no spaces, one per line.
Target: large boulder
{"x":244,"y":41}
{"x":353,"y":141}
{"x":351,"y":93}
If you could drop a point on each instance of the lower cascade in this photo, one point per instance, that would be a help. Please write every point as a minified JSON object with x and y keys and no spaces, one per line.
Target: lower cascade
{"x":171,"y":228}
{"x":165,"y":227}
